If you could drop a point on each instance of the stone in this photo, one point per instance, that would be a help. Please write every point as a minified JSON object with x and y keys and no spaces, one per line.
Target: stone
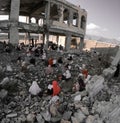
{"x":46,"y":115}
{"x":11,"y":115}
{"x":67,"y":115}
{"x":40,"y":119}
{"x":5,"y":81}
{"x":84,"y":110}
{"x":74,"y":120}
{"x":30,"y":118}
{"x":26,"y":110}
{"x":109,"y":72}
{"x":1,"y":69}
{"x":55,"y":119}
{"x":77,"y":98}
{"x":34,"y":88}
{"x":90,"y":119}
{"x":9,"y":68}
{"x":95,"y":85}
{"x":79,"y":116}
{"x":3,"y":94}
{"x":22,"y":118}
{"x":53,"y":109}
{"x":65,"y":121}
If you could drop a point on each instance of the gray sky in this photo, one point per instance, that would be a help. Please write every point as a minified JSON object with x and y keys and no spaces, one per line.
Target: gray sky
{"x":103,"y":17}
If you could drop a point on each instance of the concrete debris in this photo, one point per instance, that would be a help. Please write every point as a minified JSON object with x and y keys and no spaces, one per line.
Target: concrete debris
{"x":9,"y":68}
{"x":5,"y":81}
{"x":109,"y":72}
{"x":95,"y":85}
{"x":24,"y":95}
{"x":3,"y":94}
{"x":11,"y":115}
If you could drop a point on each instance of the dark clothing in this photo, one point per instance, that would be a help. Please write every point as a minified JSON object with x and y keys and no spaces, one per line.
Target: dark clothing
{"x":82,"y":84}
{"x":70,"y":58}
{"x":50,"y":91}
{"x":36,"y":52}
{"x":32,"y":61}
{"x":60,"y":60}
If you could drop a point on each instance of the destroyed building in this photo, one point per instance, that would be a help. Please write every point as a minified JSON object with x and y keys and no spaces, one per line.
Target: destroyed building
{"x":55,"y":17}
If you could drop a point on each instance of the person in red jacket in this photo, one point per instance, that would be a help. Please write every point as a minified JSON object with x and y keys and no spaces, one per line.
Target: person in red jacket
{"x":56,"y":88}
{"x":84,"y":71}
{"x":53,"y":89}
{"x":50,"y":61}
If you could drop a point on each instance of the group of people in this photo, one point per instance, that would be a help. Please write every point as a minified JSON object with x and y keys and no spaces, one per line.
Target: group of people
{"x":60,"y":63}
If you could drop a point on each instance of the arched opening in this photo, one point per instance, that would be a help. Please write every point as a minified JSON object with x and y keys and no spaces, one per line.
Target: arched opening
{"x":75,"y":19}
{"x":40,"y":22}
{"x":33,"y":20}
{"x":83,"y":22}
{"x":54,"y":12}
{"x":73,"y":43}
{"x":65,"y":16}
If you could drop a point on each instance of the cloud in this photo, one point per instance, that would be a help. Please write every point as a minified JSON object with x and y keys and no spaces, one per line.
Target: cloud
{"x":92,"y":26}
{"x":94,"y":29}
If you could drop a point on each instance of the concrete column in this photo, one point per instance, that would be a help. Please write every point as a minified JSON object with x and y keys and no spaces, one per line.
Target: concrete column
{"x":47,"y":12}
{"x":37,"y":21}
{"x":46,"y":41}
{"x":68,"y":42}
{"x":14,"y":16}
{"x":70,"y":18}
{"x":43,"y":38}
{"x":29,"y":37}
{"x":61,"y":14}
{"x":29,"y":20}
{"x":57,"y":39}
{"x":47,"y":23}
{"x":79,"y":19}
{"x":81,"y":43}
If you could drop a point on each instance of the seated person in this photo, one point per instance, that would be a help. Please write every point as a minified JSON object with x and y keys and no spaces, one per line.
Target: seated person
{"x":36,"y":52}
{"x":50,"y":61}
{"x":44,"y":56}
{"x":32,"y":61}
{"x":19,"y":60}
{"x":68,"y":66}
{"x":53,"y":89}
{"x":70,"y":57}
{"x":66,"y":75}
{"x":54,"y":62}
{"x":84,"y":71}
{"x":7,"y":49}
{"x":60,"y":60}
{"x":81,"y":83}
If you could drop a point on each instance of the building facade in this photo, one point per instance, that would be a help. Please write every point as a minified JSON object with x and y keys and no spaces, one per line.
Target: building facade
{"x":52,"y":17}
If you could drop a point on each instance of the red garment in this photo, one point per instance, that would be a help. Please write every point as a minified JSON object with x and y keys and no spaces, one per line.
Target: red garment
{"x":50,"y":61}
{"x":56,"y":88}
{"x":85,"y":72}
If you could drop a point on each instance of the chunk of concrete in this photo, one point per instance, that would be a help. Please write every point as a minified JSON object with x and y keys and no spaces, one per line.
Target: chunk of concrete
{"x":95,"y":85}
{"x":109,"y":72}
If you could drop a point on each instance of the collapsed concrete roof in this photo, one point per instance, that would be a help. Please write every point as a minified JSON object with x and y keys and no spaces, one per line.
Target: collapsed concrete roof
{"x":33,"y":8}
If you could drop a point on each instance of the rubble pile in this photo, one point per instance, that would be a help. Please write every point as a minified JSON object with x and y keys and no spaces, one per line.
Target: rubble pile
{"x":98,"y":103}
